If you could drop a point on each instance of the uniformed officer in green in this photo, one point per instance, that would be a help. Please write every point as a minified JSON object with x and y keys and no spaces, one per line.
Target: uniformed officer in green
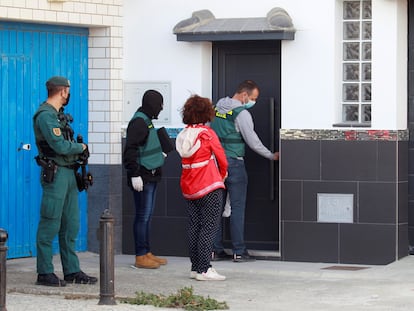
{"x":59,"y":211}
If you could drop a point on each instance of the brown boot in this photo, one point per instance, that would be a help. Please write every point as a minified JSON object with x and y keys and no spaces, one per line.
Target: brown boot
{"x":159,"y":260}
{"x":145,"y":262}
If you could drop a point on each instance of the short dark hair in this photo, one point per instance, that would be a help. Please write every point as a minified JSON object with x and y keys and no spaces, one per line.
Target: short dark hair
{"x":56,"y":84}
{"x":54,"y":89}
{"x":197,"y":109}
{"x":247,"y":86}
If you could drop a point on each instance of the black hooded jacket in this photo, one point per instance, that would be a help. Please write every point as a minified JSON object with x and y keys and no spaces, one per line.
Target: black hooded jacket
{"x":137,"y":134}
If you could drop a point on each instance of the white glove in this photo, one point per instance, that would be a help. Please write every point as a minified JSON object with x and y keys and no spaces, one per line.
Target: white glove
{"x":137,"y":183}
{"x":227,"y":207}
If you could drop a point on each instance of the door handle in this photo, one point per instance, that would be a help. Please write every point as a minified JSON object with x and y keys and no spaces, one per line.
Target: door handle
{"x":272,"y":148}
{"x":26,"y":147}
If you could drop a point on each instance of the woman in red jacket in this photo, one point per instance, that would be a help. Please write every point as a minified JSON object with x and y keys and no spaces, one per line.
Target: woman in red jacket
{"x":204,"y":168}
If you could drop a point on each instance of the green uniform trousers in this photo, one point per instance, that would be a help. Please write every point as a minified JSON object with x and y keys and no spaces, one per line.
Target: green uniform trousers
{"x":59,"y":215}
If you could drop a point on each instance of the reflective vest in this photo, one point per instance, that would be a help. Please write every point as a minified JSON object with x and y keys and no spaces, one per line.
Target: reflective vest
{"x":149,"y":155}
{"x":230,"y":138}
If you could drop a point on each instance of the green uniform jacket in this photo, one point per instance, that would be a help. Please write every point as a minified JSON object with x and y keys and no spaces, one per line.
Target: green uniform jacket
{"x":230,"y":138}
{"x":149,"y":155}
{"x":50,"y":141}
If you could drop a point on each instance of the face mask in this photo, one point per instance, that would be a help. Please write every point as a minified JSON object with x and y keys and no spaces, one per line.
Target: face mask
{"x":67,"y":100}
{"x":250,"y":104}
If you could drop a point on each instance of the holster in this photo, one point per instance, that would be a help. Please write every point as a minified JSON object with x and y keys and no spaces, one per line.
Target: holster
{"x":49,"y":168}
{"x":79,"y":181}
{"x":84,"y":180}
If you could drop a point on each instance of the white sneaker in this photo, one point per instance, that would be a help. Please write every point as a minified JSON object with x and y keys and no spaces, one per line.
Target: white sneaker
{"x":210,"y":275}
{"x":193,"y":274}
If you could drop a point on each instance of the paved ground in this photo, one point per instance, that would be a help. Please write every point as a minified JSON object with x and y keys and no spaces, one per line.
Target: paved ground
{"x":260,"y":285}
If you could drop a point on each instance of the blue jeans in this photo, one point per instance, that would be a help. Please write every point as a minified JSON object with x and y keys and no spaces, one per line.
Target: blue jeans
{"x":144,"y":207}
{"x":236,"y":184}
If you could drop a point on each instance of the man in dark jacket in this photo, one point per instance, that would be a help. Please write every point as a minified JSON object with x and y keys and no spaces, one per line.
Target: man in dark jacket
{"x":143,"y":158}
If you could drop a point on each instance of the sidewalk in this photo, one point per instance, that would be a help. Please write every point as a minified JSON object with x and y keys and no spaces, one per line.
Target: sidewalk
{"x":260,"y":285}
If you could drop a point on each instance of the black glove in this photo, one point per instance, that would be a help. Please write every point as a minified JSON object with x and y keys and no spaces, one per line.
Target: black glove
{"x":84,"y":156}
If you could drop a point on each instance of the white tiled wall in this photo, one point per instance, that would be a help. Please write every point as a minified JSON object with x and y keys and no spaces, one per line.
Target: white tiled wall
{"x":104,"y":20}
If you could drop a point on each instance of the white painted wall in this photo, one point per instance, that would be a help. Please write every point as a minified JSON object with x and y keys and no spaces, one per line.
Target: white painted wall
{"x":310,"y":64}
{"x":389,"y":58}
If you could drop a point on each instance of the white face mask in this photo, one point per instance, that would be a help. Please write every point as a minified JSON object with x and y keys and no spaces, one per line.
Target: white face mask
{"x":250,"y":104}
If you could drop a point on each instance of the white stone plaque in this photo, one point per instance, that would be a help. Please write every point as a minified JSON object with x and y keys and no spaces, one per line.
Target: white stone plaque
{"x":335,"y":207}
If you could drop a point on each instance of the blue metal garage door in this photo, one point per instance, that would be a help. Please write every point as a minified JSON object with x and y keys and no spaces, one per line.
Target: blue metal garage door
{"x":30,"y":54}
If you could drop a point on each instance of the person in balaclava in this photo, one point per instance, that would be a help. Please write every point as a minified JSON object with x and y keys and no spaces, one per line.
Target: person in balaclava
{"x":143,"y":159}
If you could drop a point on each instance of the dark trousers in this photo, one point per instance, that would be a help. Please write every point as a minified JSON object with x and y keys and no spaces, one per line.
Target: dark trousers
{"x":144,"y":207}
{"x":59,"y":215}
{"x":236,"y":184}
{"x":204,"y":216}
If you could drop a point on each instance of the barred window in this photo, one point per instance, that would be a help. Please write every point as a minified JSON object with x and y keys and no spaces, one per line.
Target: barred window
{"x":356,"y":61}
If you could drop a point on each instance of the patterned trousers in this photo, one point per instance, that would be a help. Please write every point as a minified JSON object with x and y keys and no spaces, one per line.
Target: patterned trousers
{"x":204,"y":217}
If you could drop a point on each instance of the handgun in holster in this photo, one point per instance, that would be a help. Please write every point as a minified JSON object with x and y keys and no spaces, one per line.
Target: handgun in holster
{"x":49,"y":168}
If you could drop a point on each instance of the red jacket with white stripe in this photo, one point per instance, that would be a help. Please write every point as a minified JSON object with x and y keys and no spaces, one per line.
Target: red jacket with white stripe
{"x":204,"y":163}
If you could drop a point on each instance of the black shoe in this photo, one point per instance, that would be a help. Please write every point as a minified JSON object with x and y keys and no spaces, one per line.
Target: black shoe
{"x":245,"y":257}
{"x":216,"y":256}
{"x":50,"y":279}
{"x":80,"y":278}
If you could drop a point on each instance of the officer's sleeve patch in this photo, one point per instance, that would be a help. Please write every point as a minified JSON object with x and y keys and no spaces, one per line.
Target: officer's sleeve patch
{"x":57,"y":131}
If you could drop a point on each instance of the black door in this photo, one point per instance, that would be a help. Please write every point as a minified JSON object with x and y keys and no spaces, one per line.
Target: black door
{"x":234,"y":62}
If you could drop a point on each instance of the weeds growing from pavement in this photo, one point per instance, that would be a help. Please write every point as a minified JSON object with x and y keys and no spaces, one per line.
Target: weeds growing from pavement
{"x":184,"y":298}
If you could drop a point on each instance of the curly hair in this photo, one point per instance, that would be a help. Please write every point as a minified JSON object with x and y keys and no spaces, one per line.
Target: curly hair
{"x":197,"y":109}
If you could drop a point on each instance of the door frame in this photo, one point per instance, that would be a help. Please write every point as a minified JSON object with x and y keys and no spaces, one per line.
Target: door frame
{"x":219,"y":90}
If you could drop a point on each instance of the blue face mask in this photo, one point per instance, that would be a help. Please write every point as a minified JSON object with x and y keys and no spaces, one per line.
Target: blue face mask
{"x":250,"y":104}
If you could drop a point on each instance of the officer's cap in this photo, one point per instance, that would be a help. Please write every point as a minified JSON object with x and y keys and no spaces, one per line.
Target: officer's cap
{"x":58,"y":81}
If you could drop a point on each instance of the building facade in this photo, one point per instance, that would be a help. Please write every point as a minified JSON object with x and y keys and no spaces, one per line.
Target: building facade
{"x":335,"y":101}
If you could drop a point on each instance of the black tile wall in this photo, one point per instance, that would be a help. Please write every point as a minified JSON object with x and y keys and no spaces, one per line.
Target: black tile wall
{"x":377,"y":203}
{"x":128,"y":236}
{"x":348,"y":160}
{"x":105,"y":193}
{"x":291,"y":200}
{"x":313,"y":242}
{"x":403,"y":160}
{"x":164,"y":230}
{"x":373,"y":171}
{"x":411,"y":212}
{"x":301,"y":160}
{"x":172,"y":167}
{"x":173,"y":194}
{"x":387,"y":157}
{"x":367,"y":243}
{"x":403,"y":203}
